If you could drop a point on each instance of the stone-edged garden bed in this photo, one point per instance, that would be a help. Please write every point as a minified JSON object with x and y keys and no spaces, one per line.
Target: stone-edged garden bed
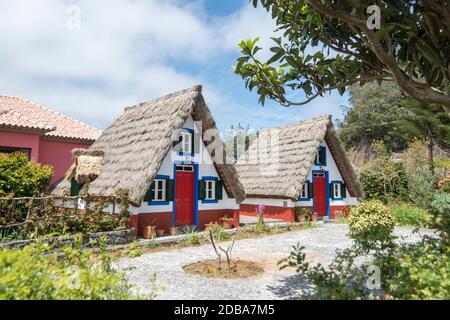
{"x":90,"y":240}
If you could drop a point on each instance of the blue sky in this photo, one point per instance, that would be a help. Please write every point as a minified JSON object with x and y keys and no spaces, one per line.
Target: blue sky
{"x":125,"y":52}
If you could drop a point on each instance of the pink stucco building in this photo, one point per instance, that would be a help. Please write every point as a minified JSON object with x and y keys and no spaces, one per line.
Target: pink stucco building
{"x":45,"y":135}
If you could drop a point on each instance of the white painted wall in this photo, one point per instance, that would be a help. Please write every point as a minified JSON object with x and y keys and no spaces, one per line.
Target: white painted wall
{"x":270,"y":202}
{"x":205,"y":168}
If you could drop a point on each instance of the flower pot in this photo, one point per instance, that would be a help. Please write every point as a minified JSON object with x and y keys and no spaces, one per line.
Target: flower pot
{"x":227,"y":223}
{"x":160,"y":232}
{"x":149,"y":232}
{"x":173,"y":231}
{"x":301,"y":218}
{"x":314,"y":217}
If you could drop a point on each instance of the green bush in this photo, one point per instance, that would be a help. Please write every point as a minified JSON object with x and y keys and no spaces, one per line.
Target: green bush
{"x":46,"y":218}
{"x":193,"y":239}
{"x":134,"y":250}
{"x":419,"y":271}
{"x":20,"y":177}
{"x":371,"y":221}
{"x":219,"y":233}
{"x":422,"y":186}
{"x":384,"y":180}
{"x":409,"y":215}
{"x":440,"y":211}
{"x":29,"y":274}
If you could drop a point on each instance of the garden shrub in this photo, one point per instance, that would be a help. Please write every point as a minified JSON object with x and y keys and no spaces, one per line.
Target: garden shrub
{"x":193,"y":239}
{"x":371,"y":221}
{"x":418,"y":271}
{"x":409,"y":215}
{"x":21,"y":177}
{"x":422,"y":186}
{"x":29,"y":274}
{"x":440,"y":211}
{"x":219,"y":233}
{"x":383,"y":179}
{"x":48,"y":219}
{"x":134,"y":250}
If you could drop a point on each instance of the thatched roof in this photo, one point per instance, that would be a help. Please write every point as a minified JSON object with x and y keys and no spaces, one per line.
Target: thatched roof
{"x":277,"y":163}
{"x":136,"y":144}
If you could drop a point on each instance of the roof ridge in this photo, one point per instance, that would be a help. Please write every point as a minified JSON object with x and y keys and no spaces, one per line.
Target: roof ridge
{"x":316,"y":118}
{"x":197,"y":88}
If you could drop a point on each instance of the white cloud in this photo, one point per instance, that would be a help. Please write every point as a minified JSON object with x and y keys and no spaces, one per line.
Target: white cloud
{"x":124,"y":53}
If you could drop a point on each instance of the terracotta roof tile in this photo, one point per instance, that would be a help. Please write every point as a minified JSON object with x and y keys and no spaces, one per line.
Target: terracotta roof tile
{"x":23,"y":114}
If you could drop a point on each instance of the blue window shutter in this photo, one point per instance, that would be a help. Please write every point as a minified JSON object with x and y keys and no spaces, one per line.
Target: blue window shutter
{"x":74,"y":188}
{"x":343,"y":190}
{"x":201,"y":189}
{"x":170,"y":192}
{"x":150,"y":192}
{"x":330,"y":190}
{"x":219,"y":190}
{"x":310,"y":190}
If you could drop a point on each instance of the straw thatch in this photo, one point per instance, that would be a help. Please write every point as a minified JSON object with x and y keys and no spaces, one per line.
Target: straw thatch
{"x":277,"y":163}
{"x":88,"y":164}
{"x":136,"y":144}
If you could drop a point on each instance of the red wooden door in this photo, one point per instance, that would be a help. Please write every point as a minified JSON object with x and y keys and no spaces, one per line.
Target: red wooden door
{"x":184,"y":197}
{"x":320,"y":194}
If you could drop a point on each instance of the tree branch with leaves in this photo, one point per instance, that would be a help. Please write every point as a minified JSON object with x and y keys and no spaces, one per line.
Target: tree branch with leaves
{"x":411,"y":47}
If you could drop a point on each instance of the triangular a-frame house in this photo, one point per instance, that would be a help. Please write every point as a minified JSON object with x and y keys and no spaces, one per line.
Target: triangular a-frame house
{"x":301,"y":165}
{"x":165,"y":153}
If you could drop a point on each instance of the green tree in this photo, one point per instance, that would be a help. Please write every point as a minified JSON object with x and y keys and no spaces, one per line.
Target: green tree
{"x":428,"y":122}
{"x":374,"y":110}
{"x":404,"y":41}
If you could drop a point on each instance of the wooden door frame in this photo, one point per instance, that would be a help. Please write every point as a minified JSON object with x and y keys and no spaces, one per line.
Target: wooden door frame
{"x":326,"y":190}
{"x":195,"y":165}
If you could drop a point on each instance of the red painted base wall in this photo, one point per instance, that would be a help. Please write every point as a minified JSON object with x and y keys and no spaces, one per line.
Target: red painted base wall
{"x":163,"y":220}
{"x":287,"y":214}
{"x":272,"y":212}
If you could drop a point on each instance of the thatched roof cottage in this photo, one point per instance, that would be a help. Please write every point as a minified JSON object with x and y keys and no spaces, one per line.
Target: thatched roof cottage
{"x":167,"y":154}
{"x":298,"y":165}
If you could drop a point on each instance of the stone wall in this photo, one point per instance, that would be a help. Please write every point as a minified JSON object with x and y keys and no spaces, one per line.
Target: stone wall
{"x":90,"y":240}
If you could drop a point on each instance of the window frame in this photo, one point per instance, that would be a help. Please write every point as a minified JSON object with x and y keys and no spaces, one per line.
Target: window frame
{"x":210,"y":187}
{"x":340,"y":185}
{"x":305,"y":189}
{"x":155,"y":196}
{"x":212,"y":180}
{"x":317,"y":162}
{"x":185,"y":133}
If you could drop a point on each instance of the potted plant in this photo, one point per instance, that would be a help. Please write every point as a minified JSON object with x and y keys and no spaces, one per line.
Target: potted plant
{"x":173,"y":231}
{"x":149,"y":232}
{"x":160,"y":232}
{"x":302,"y":214}
{"x":226,"y":221}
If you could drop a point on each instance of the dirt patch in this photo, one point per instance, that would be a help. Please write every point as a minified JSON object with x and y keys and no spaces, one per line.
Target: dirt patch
{"x":239,"y":269}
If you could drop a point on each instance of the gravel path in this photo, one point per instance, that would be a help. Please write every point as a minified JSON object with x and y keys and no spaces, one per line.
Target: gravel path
{"x":320,"y":244}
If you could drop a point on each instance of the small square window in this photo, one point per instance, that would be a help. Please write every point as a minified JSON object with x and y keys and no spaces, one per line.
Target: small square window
{"x":210,"y":190}
{"x":160,"y":190}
